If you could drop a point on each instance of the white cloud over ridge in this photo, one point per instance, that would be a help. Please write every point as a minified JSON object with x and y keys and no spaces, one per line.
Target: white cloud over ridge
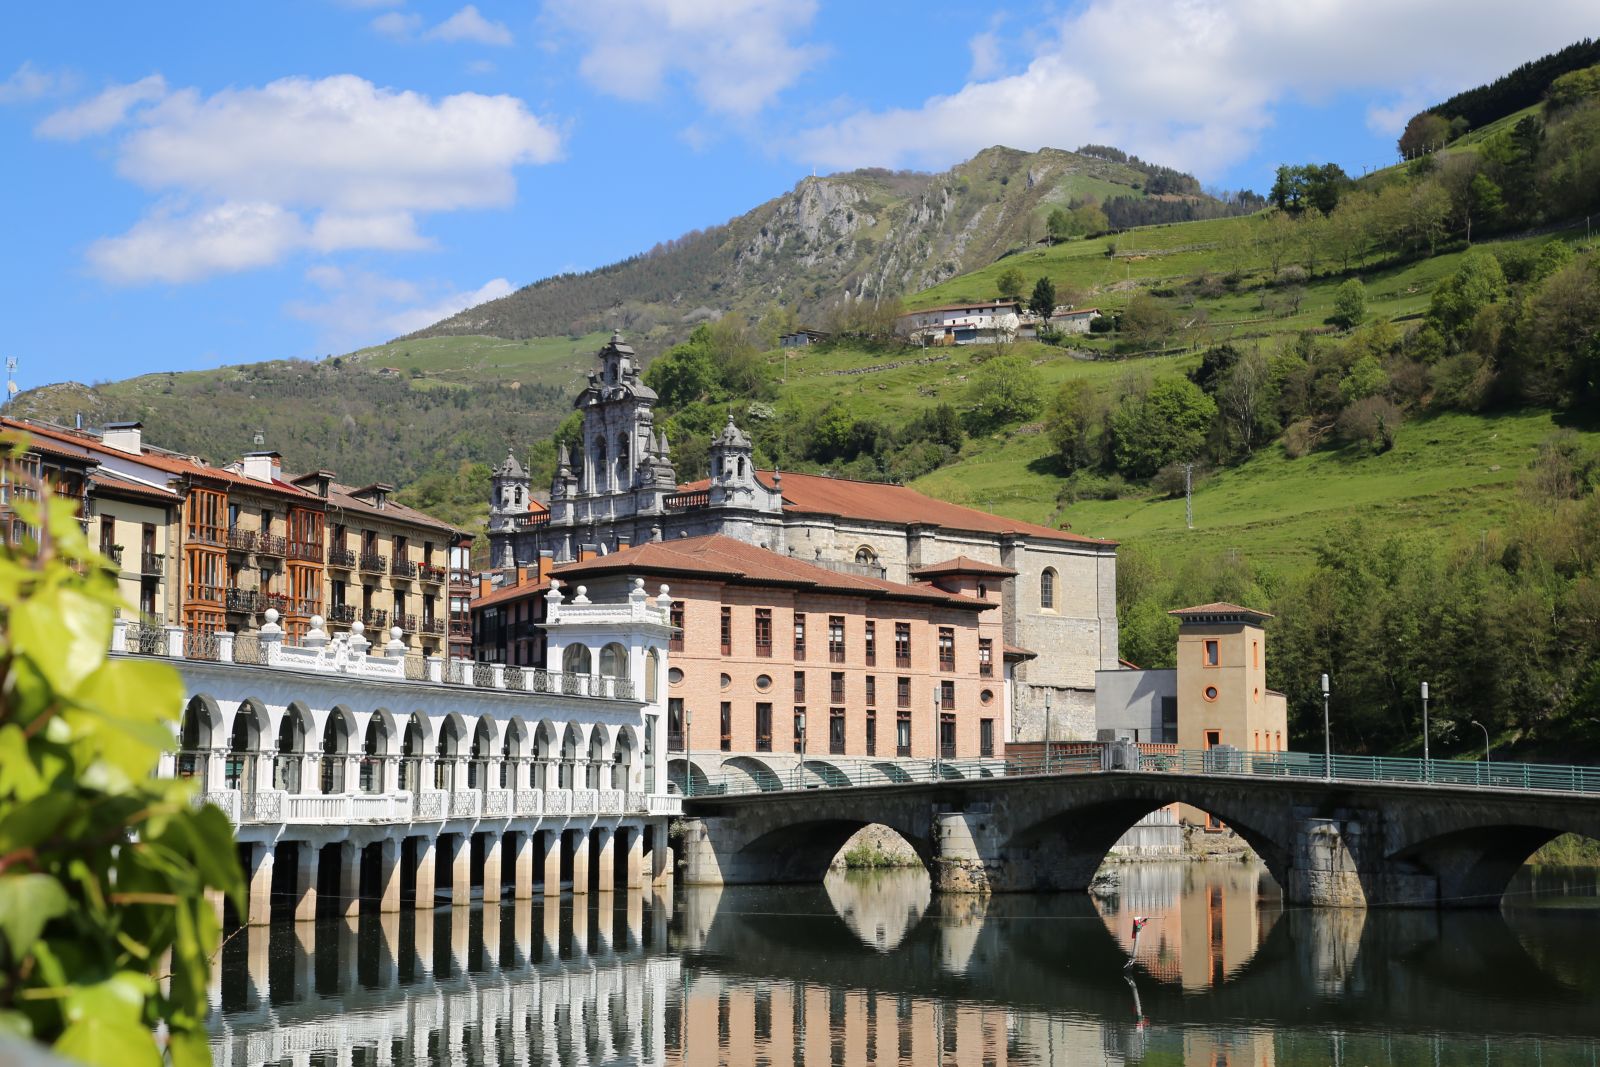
{"x":736,"y":55}
{"x":363,"y":307}
{"x":249,"y":176}
{"x":1193,"y":83}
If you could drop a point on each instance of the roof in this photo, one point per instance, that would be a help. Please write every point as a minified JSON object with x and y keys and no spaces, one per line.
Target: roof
{"x":1201,"y":611}
{"x":1013,"y":652}
{"x":509,"y":592}
{"x":343,"y":497}
{"x":813,"y":494}
{"x":962,"y":565}
{"x":725,"y":559}
{"x":116,"y":485}
{"x":510,"y":468}
{"x":969,"y":305}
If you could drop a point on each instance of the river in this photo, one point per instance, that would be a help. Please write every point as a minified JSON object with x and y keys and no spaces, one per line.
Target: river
{"x":870,"y":968}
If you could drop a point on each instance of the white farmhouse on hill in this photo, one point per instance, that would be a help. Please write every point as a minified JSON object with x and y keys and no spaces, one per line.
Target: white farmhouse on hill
{"x":962,"y":324}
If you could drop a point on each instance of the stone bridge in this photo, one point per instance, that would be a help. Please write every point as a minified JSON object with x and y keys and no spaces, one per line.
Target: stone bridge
{"x":1326,"y":842}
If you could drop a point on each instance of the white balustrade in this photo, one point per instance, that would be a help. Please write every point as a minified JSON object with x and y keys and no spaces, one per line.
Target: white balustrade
{"x":558,"y":802}
{"x":530,"y":802}
{"x":466,"y":804}
{"x":583,"y":801}
{"x":610,"y":802}
{"x":497,"y":802}
{"x":665,"y":805}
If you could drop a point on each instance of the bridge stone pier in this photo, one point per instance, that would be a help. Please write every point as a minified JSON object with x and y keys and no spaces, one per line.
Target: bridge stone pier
{"x":1328,"y":843}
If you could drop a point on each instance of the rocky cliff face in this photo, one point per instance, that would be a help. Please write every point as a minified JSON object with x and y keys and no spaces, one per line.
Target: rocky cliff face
{"x":864,"y":234}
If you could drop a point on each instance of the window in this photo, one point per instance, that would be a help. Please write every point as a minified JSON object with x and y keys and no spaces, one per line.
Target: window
{"x":835,"y":638}
{"x":763,"y":727}
{"x":872,"y":732}
{"x":902,"y":692}
{"x":872,"y":644}
{"x":902,"y":644}
{"x":836,"y":687}
{"x":764,"y":632}
{"x":1047,"y":590}
{"x":727,"y":726}
{"x":727,"y":631}
{"x":872,"y":690}
{"x":947,"y":736}
{"x":947,"y":695}
{"x":985,"y":737}
{"x":1210,"y":655}
{"x":947,"y":648}
{"x":902,"y":733}
{"x":800,"y":730}
{"x":836,"y":731}
{"x":799,"y":686}
{"x":1211,"y":692}
{"x":799,"y":636}
{"x":866,"y":557}
{"x":986,"y":656}
{"x":1255,"y":655}
{"x":675,"y":642}
{"x":675,"y":736}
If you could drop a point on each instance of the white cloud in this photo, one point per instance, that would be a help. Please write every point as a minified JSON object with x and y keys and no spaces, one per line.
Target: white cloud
{"x":361,"y":307}
{"x":397,"y":24}
{"x":468,"y":25}
{"x":104,"y":112}
{"x":737,"y":55}
{"x":988,"y":55}
{"x":28,"y":82}
{"x":339,"y":162}
{"x":1193,"y":83}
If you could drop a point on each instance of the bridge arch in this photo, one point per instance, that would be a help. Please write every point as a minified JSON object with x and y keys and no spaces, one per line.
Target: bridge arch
{"x":804,"y":851}
{"x":764,"y":777}
{"x":678,"y":772}
{"x":826,"y":773}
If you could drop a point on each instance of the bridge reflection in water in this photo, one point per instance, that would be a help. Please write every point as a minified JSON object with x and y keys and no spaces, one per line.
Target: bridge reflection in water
{"x":876,"y":970}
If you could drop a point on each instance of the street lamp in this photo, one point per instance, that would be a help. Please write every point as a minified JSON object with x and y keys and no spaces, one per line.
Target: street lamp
{"x":688,"y":752}
{"x":1327,"y":736}
{"x":1485,"y":730}
{"x":938,"y":749}
{"x":1427,"y":767}
{"x":800,"y":770}
{"x":1047,"y":745}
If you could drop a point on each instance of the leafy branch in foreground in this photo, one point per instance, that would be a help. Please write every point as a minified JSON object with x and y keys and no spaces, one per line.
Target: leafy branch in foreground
{"x":106,"y":936}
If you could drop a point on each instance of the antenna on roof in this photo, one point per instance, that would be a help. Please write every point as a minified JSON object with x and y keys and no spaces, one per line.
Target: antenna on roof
{"x":11,"y":379}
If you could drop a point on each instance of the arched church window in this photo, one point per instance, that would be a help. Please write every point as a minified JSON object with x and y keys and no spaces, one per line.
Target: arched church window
{"x":741,"y":466}
{"x":864,"y":554}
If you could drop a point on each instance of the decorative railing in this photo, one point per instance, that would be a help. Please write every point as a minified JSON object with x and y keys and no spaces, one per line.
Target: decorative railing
{"x":375,"y":619}
{"x":403,"y":568}
{"x":407,"y":621}
{"x":433,"y":626}
{"x":310,"y":551}
{"x":342,"y":558}
{"x":529,"y":802}
{"x":226,"y":799}
{"x":429,"y":805}
{"x":371,"y":561}
{"x":431,"y":573}
{"x":497,"y":802}
{"x":464,"y":805}
{"x":345,"y":613}
{"x":201,"y":644}
{"x":112,"y":553}
{"x":270,"y":545}
{"x":537,"y":518}
{"x":584,"y":802}
{"x":241,"y":540}
{"x":558,"y":802}
{"x":636,"y":803}
{"x":264,"y":806}
{"x":700,"y":499}
{"x":152,"y":564}
{"x":246,"y":600}
{"x":610,"y":802}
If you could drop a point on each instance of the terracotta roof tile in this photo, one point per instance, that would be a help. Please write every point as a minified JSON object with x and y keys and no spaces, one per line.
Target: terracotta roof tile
{"x":726,"y":559}
{"x":963,"y":565}
{"x":813,"y":494}
{"x":104,"y":479}
{"x":509,"y":592}
{"x":1219,"y":608}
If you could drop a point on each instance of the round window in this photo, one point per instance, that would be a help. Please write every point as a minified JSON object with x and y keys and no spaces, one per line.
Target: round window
{"x":726,"y":681}
{"x":986,"y":697}
{"x":763,"y":682}
{"x":1211,"y":692}
{"x":674,"y":676}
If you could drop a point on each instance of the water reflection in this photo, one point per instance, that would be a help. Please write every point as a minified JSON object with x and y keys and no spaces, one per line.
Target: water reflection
{"x":873,"y":970}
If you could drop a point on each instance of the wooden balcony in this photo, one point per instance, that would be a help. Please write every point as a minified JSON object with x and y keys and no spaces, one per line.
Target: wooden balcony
{"x":306,"y":551}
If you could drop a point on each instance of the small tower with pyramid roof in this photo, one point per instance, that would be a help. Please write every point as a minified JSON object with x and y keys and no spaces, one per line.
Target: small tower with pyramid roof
{"x":508,"y":491}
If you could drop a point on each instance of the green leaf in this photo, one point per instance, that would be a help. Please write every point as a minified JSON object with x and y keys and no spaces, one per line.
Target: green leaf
{"x":105,"y":1043}
{"x":64,"y":632}
{"x":118,"y":999}
{"x":27,"y":902}
{"x":34,"y":820}
{"x":189,"y":1048}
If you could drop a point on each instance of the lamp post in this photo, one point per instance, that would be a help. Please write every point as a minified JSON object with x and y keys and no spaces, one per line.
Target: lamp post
{"x":800,"y":769}
{"x":688,"y":753}
{"x":1327,"y":736}
{"x":1485,"y":730}
{"x":1047,"y":745}
{"x":938,"y":750}
{"x":1427,"y":766}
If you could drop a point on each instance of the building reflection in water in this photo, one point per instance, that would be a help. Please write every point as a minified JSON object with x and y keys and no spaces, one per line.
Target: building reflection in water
{"x":874,"y":970}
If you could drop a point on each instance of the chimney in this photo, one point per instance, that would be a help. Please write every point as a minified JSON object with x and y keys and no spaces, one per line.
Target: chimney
{"x":522,"y":575}
{"x":624,"y":541}
{"x":587,"y":552}
{"x":262,"y":466}
{"x":123,"y":436}
{"x":485,"y":584}
{"x":547,"y":560}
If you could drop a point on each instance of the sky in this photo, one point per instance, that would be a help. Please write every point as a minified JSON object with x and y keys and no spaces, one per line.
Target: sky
{"x":186,"y":185}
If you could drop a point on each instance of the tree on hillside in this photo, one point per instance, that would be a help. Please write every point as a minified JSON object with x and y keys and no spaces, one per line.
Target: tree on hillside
{"x":1010,"y":284}
{"x":1349,"y":304}
{"x":1148,"y":322}
{"x":1167,"y":424}
{"x":1426,"y":132}
{"x":1043,"y":301}
{"x":1073,"y":422}
{"x":1059,"y":225}
{"x":1002,"y":391}
{"x":1308,"y":185}
{"x":1456,"y":301}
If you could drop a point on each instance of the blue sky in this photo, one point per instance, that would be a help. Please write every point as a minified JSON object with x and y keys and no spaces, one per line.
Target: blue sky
{"x":191,"y":184}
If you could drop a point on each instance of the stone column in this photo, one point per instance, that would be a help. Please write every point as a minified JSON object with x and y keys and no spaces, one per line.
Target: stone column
{"x":389,"y":875}
{"x":461,"y":869}
{"x":522,"y":866}
{"x":635,"y":857}
{"x":606,"y":869}
{"x":493,"y":843}
{"x":427,"y":871}
{"x":550,"y":859}
{"x":661,"y":865}
{"x":349,"y":879}
{"x":260,"y":884}
{"x":305,"y":882}
{"x":580,"y":862}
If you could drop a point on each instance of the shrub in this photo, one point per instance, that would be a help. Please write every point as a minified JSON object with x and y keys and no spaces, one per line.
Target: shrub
{"x":1297,"y":439}
{"x":1374,"y":420}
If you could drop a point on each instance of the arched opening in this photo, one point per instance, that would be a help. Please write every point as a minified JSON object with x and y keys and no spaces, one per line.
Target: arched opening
{"x":866,"y":556}
{"x":878,"y":888}
{"x":652,"y":671}
{"x":412,"y":747}
{"x":1564,"y":872}
{"x":621,"y":479}
{"x":447,"y":751}
{"x":892,"y":772}
{"x":678,"y":772}
{"x":761,"y":776}
{"x":194,"y":741}
{"x":597,"y":759}
{"x":571,"y":743}
{"x":375,"y":751}
{"x":613,"y":667}
{"x":292,"y":730}
{"x":575,"y":660}
{"x":1047,"y":590}
{"x":650,"y":753}
{"x":513,"y":755}
{"x":823,"y":773}
{"x":335,"y":748}
{"x":805,"y":851}
{"x":544,"y":740}
{"x":482,"y":750}
{"x":622,"y":761}
{"x":244,"y":747}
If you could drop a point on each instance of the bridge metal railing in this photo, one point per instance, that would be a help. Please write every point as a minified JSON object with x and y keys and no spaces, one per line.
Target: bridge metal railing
{"x":1498,"y":776}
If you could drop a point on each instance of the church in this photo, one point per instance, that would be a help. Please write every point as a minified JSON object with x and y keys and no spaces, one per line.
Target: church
{"x":1019,"y":613}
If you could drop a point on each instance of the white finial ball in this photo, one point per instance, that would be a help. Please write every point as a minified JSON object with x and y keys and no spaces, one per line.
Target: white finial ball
{"x":317,"y":621}
{"x":665,"y":589}
{"x":394,"y":633}
{"x":583,"y":590}
{"x":358,"y":627}
{"x":638,"y":583}
{"x":272,"y":615}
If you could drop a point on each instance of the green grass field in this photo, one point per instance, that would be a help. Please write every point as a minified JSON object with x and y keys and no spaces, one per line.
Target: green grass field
{"x":473,"y":359}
